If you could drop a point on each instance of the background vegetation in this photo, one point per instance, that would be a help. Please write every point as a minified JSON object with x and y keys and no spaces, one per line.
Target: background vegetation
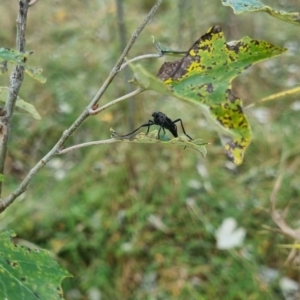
{"x":138,"y":221}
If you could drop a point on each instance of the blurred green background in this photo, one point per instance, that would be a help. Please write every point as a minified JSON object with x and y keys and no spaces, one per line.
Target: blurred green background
{"x":139,"y":221}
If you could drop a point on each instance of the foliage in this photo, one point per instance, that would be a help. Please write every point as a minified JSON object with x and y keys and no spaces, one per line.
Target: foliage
{"x":28,"y":273}
{"x":98,"y":209}
{"x":18,"y":58}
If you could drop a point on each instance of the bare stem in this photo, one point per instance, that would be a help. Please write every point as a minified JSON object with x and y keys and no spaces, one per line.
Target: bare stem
{"x":67,"y":133}
{"x":132,"y":40}
{"x":110,"y":141}
{"x":16,"y":80}
{"x":100,"y":109}
{"x":125,"y":64}
{"x":278,"y":217}
{"x":32,"y":2}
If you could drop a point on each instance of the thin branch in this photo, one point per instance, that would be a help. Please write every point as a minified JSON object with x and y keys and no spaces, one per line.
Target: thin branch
{"x":97,"y":111}
{"x":110,"y":141}
{"x":67,"y":133}
{"x":32,"y":2}
{"x":277,"y":217}
{"x":156,"y":55}
{"x":16,"y":80}
{"x":24,"y":184}
{"x":116,"y":68}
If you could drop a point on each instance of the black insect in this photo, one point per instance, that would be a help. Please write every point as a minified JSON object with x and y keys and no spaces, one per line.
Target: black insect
{"x":164,"y":122}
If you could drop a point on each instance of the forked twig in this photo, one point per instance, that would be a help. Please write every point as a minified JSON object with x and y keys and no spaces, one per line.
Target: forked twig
{"x":277,"y":217}
{"x":16,"y":80}
{"x":67,"y":133}
{"x":100,"y":109}
{"x":125,"y":64}
{"x":87,"y":144}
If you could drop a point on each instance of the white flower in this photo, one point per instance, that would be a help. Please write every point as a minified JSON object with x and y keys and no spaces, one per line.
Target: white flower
{"x":228,"y":235}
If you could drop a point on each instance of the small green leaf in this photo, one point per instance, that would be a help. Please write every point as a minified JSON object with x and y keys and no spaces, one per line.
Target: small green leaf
{"x":29,"y":108}
{"x":147,"y":81}
{"x":242,"y":6}
{"x":13,"y":56}
{"x":35,"y":74}
{"x":27,"y":274}
{"x":151,"y":138}
{"x":17,"y":58}
{"x":2,"y":177}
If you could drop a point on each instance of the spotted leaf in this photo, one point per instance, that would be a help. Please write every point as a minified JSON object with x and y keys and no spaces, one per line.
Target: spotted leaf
{"x":204,"y":76}
{"x":28,"y":274}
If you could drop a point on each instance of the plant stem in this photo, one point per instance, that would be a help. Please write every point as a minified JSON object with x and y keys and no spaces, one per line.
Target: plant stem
{"x":67,"y":133}
{"x":16,"y":80}
{"x":98,"y":110}
{"x":116,"y":68}
{"x":102,"y":142}
{"x":126,"y":74}
{"x":125,"y":64}
{"x":278,"y":217}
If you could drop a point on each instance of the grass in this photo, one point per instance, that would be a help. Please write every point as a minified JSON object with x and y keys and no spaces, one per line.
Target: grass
{"x":138,"y":221}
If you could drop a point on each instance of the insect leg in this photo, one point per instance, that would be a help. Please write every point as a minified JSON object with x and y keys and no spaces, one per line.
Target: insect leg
{"x":179,"y":120}
{"x":159,"y":130}
{"x":144,"y":125}
{"x":150,"y":123}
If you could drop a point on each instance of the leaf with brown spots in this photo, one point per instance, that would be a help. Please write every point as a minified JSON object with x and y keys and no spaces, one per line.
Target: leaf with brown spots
{"x":28,"y":274}
{"x":204,"y":75}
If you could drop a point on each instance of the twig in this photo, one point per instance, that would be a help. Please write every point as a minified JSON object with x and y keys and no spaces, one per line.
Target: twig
{"x":122,"y":28}
{"x":110,"y":141}
{"x":16,"y":80}
{"x":96,"y":111}
{"x":116,"y":68}
{"x":292,"y":255}
{"x":32,"y":2}
{"x":125,"y":64}
{"x":67,"y":133}
{"x":277,"y":217}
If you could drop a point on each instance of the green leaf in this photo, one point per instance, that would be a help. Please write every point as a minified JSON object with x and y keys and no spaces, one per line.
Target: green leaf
{"x":204,"y":75}
{"x":241,"y":6}
{"x":151,"y":138}
{"x":36,"y":74}
{"x":147,"y":81}
{"x":17,"y":58}
{"x":29,"y":108}
{"x":13,"y":56}
{"x":27,"y":274}
{"x":2,"y":177}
